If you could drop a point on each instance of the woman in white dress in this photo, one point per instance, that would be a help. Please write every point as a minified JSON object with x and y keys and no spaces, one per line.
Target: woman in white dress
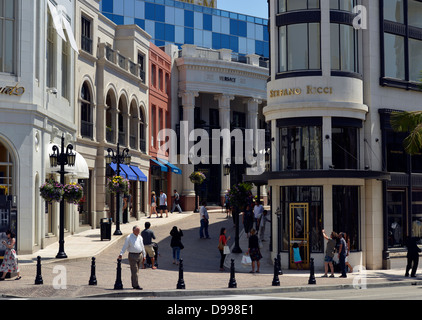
{"x":10,"y":262}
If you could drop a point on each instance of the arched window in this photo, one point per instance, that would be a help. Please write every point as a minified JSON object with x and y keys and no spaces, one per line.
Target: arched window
{"x":6,"y":171}
{"x":142,"y":132}
{"x":86,"y":112}
{"x":110,"y":116}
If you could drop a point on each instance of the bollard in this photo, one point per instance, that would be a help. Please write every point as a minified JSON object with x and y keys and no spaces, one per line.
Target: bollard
{"x":93,"y":278}
{"x":118,"y":285}
{"x":181,"y":282}
{"x":38,"y":278}
{"x":312,"y":274}
{"x":276,"y":281}
{"x":232,"y":282}
{"x":280,"y":272}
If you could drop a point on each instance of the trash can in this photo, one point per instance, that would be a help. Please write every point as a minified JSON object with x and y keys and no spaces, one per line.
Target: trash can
{"x":105,"y":228}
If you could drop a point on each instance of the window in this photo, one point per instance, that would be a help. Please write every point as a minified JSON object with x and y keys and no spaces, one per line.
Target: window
{"x":415,"y":60}
{"x":153,"y":125}
{"x":141,"y":62}
{"x":292,"y":5}
{"x":346,"y":213}
{"x":153,"y":75}
{"x":7,"y":36}
{"x":396,"y":156}
{"x":86,"y":35}
{"x":160,"y":79}
{"x":394,"y":56}
{"x":415,"y":13}
{"x":344,"y":47}
{"x":86,"y":112}
{"x":344,"y":5}
{"x":6,"y":171}
{"x":301,"y":148}
{"x":345,"y":147}
{"x":299,"y":55}
{"x":396,"y":213}
{"x":51,"y":57}
{"x":65,"y":69}
{"x":142,"y":134}
{"x":393,"y":11}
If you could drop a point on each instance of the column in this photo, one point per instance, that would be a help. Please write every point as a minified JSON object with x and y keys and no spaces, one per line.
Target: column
{"x":224,"y":118}
{"x":252,"y":118}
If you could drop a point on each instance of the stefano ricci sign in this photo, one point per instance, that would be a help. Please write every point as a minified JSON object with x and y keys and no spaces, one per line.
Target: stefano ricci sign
{"x":15,"y":90}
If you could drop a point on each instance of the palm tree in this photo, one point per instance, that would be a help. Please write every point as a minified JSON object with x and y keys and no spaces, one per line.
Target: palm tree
{"x":411,"y":122}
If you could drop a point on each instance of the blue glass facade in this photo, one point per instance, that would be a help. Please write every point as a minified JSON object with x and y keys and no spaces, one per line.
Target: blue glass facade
{"x":170,"y":21}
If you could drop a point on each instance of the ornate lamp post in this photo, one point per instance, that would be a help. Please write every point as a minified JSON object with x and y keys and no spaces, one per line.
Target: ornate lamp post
{"x":118,"y":158}
{"x":61,"y":157}
{"x":278,"y":214}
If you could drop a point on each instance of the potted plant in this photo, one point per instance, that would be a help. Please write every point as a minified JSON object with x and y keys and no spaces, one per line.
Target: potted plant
{"x":52,"y":191}
{"x":73,"y":192}
{"x":117,"y":184}
{"x":197,"y":177}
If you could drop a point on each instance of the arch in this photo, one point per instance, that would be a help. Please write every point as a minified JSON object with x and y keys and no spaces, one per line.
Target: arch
{"x":86,"y":98}
{"x":9,"y":168}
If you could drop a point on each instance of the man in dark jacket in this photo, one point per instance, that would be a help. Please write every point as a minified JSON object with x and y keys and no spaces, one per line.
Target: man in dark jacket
{"x":412,"y":256}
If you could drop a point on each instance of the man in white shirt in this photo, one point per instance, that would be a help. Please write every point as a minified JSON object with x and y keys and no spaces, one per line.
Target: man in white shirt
{"x":135,"y":247}
{"x":163,"y":204}
{"x":203,"y":214}
{"x":258,"y":210}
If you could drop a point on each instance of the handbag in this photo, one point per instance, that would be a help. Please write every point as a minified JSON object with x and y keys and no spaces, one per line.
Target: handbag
{"x":246,"y":260}
{"x":226,"y":250}
{"x":220,"y":246}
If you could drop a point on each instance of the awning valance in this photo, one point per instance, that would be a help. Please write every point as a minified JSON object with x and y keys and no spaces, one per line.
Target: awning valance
{"x":139,"y":173}
{"x":125,"y":171}
{"x":163,"y":167}
{"x":172,"y":167}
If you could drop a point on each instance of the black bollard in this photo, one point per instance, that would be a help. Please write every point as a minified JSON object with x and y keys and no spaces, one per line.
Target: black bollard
{"x":232,"y":282}
{"x":280,"y":272}
{"x":276,"y":281}
{"x":312,"y":273}
{"x":118,"y":285}
{"x":38,"y":278}
{"x":181,"y":282}
{"x":93,"y":278}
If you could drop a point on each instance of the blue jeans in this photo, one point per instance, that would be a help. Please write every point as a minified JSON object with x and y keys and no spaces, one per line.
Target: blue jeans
{"x":204,"y":227}
{"x":342,"y":262}
{"x":176,"y":254}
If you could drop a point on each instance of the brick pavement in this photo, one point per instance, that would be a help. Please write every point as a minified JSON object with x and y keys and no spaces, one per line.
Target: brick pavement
{"x":201,"y":267}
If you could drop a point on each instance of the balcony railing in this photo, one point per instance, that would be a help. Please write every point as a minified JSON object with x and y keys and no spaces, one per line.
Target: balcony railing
{"x":87,"y":129}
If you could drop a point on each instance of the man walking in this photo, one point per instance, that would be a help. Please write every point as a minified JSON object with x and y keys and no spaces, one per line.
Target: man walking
{"x":147,"y":236}
{"x":135,"y":246}
{"x":176,"y":202}
{"x":203,"y":213}
{"x":258,"y":210}
{"x":163,"y":204}
{"x":342,"y":253}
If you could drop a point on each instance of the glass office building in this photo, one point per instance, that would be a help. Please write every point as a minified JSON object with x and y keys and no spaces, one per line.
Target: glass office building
{"x":175,"y":22}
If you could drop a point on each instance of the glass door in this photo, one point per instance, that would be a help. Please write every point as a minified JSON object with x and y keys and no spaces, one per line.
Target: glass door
{"x":299,"y":235}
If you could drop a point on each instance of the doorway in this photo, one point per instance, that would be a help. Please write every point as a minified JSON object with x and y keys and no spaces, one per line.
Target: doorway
{"x":299,"y":233}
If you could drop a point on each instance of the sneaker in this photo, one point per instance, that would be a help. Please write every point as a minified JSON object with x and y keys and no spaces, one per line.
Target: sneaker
{"x":324,"y":276}
{"x":332,"y":276}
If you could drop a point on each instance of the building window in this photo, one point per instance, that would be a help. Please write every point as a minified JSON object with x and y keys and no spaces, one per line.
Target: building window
{"x":86,"y":112}
{"x":401,"y":39}
{"x":396,"y":156}
{"x":299,"y":55}
{"x":6,"y":171}
{"x":396,"y":213}
{"x":293,"y":5}
{"x":345,"y":143}
{"x":343,"y":5}
{"x":141,"y":63}
{"x":153,"y":75}
{"x":7,"y":36}
{"x":153,"y":125}
{"x":86,"y":35}
{"x":301,"y":147}
{"x":51,"y":56}
{"x":65,"y":69}
{"x":142,"y":132}
{"x":346,"y":213}
{"x":344,"y":48}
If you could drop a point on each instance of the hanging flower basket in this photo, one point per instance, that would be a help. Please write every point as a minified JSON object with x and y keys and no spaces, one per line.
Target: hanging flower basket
{"x":239,"y":195}
{"x":73,"y":192}
{"x":52,"y":191}
{"x":118,"y":184}
{"x":197,"y":177}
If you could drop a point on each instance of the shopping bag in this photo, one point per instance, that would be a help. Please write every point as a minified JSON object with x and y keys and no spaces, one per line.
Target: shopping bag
{"x":226,"y":250}
{"x":246,"y":260}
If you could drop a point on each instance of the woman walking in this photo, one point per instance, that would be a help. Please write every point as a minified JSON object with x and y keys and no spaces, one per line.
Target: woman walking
{"x":10,"y":262}
{"x":254,"y":251}
{"x":176,"y":243}
{"x":222,"y":241}
{"x":153,"y":205}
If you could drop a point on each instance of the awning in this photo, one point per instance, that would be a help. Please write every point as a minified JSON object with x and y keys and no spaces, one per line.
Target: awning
{"x":125,"y":171}
{"x":139,"y":173}
{"x":172,"y":167}
{"x":60,"y":20}
{"x":80,"y":170}
{"x":163,"y":167}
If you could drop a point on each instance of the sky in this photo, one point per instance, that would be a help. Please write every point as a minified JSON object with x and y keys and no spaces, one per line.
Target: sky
{"x":256,"y":8}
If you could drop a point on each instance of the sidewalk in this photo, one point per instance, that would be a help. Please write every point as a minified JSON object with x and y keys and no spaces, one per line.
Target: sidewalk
{"x":68,"y":278}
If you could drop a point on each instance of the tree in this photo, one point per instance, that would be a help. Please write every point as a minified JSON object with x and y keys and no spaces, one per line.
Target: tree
{"x":411,"y":122}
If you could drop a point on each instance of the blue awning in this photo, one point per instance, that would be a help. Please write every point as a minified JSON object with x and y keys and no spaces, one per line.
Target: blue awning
{"x":125,"y":171}
{"x":163,"y":167}
{"x":172,"y":167}
{"x":139,"y":173}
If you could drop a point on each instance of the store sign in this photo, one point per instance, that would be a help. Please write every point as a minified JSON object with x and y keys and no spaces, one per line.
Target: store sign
{"x":12,"y":91}
{"x":205,"y":3}
{"x":309,"y":90}
{"x":228,"y":79}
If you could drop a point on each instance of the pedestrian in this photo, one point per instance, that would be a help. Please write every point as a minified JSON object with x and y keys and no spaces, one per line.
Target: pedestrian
{"x":348,"y":265}
{"x":257,"y":211}
{"x":147,"y":236}
{"x":163,"y":204}
{"x":342,"y":252}
{"x":204,"y":219}
{"x":227,"y":203}
{"x":297,"y":259}
{"x":329,"y":253}
{"x":264,"y":219}
{"x":248,"y":219}
{"x":253,"y":251}
{"x":176,"y":202}
{"x":176,"y":244}
{"x":136,"y":254}
{"x":412,"y":256}
{"x":153,"y":204}
{"x":10,"y":262}
{"x":222,"y":241}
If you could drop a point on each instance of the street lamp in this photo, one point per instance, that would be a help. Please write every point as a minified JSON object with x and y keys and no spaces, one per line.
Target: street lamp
{"x":61,"y":157}
{"x":278,"y":214}
{"x":118,"y":158}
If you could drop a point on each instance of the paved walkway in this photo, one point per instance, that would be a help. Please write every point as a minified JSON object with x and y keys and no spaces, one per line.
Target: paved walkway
{"x":69,"y":278}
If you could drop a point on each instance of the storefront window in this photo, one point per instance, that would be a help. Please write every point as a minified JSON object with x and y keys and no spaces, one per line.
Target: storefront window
{"x":417,"y":213}
{"x":345,"y":147}
{"x":346,"y":213}
{"x":6,"y":171}
{"x":396,"y":211}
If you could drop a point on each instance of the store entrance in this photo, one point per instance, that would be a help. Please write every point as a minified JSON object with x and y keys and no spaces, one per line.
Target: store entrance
{"x":299,"y":234}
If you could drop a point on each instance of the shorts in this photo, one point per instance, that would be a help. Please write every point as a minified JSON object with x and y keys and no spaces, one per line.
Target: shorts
{"x":328,"y":259}
{"x":162,"y":207}
{"x":149,"y":249}
{"x":153,"y":204}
